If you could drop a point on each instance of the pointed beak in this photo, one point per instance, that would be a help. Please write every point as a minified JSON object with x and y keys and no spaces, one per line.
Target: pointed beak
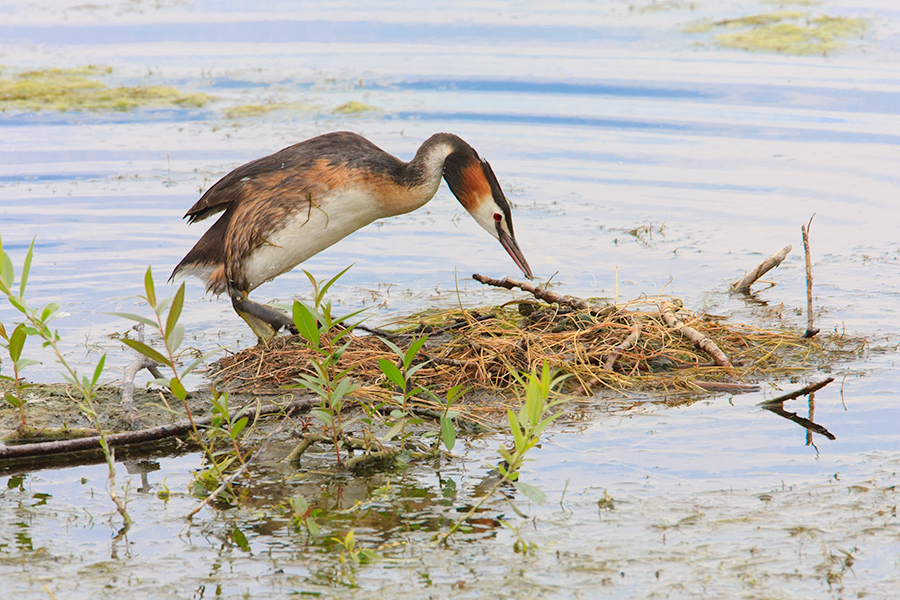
{"x":515,"y":252}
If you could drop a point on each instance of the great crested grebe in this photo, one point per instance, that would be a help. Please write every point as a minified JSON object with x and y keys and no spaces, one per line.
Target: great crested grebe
{"x":282,"y":209}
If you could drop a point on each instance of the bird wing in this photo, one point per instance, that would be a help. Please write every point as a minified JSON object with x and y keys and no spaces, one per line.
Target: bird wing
{"x":290,"y":165}
{"x":231,"y":188}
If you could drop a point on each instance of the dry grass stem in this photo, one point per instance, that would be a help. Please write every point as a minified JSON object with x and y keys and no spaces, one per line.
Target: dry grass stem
{"x":648,"y":345}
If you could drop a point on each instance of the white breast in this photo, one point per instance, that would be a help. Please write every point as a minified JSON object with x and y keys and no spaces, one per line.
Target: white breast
{"x":308,"y":232}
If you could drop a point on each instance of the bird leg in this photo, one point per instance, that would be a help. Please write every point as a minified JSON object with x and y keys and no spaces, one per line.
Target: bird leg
{"x":265,"y":321}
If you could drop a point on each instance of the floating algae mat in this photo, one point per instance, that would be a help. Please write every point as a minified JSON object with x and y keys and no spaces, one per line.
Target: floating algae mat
{"x":650,"y":345}
{"x":83,"y":89}
{"x":784,"y":32}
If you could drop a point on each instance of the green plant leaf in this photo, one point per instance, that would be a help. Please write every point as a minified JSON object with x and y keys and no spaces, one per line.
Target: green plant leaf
{"x":149,"y":288}
{"x":412,"y":370}
{"x":454,"y":392}
{"x":133,"y":317}
{"x":531,"y":492}
{"x":393,"y":347}
{"x":395,"y":430}
{"x":49,"y":311}
{"x":306,"y":323}
{"x":7,"y":273}
{"x":322,"y":415}
{"x":343,"y":319}
{"x":17,"y":342}
{"x":13,"y":400}
{"x":448,"y":433}
{"x":238,"y":427}
{"x":163,"y":305}
{"x":175,"y":310}
{"x":19,"y":304}
{"x":200,"y":361}
{"x":367,"y":556}
{"x":299,"y":505}
{"x":240,"y":539}
{"x":414,"y":350}
{"x":516,"y":429}
{"x":178,"y":389}
{"x":328,"y":284}
{"x":312,"y":527}
{"x":345,"y":386}
{"x":22,"y":363}
{"x":175,"y":337}
{"x":26,"y":268}
{"x":146,"y":351}
{"x":391,"y":371}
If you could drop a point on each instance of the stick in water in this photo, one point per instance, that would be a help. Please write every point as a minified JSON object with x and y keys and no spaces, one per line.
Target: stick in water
{"x":743,"y":284}
{"x":810,"y":331}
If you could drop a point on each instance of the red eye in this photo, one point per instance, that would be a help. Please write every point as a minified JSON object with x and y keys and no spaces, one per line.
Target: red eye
{"x":497,"y":217}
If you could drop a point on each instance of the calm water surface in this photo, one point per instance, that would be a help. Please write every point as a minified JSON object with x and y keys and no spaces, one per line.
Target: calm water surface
{"x":598,"y":118}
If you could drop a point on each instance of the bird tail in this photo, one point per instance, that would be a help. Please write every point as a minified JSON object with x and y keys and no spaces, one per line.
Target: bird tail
{"x":206,"y":260}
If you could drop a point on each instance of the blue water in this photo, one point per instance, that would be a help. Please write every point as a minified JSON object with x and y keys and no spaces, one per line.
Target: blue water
{"x":597,"y":119}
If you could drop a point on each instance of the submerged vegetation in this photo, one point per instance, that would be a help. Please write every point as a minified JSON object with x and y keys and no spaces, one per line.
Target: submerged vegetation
{"x":83,"y":89}
{"x":244,"y":111}
{"x":784,"y":32}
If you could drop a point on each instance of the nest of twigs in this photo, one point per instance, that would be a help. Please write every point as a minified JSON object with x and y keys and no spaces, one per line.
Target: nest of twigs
{"x":648,"y":345}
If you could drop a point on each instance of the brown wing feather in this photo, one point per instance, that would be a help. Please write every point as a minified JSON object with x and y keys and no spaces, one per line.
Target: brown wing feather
{"x":341,"y":148}
{"x":258,"y":198}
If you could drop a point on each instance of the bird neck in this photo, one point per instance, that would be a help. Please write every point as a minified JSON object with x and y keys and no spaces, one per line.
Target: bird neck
{"x":427,"y":167}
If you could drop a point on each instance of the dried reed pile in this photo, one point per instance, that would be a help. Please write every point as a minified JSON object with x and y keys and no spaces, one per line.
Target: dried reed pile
{"x":647,"y":345}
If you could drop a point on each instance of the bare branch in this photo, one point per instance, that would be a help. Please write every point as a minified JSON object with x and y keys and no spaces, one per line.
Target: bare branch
{"x":743,"y":284}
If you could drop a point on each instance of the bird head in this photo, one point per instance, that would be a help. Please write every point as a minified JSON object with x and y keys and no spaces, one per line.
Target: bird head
{"x":474,"y":184}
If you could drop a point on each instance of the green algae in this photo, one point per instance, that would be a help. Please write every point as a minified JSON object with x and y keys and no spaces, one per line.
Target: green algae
{"x":80,"y":89}
{"x":244,"y":111}
{"x":784,"y":32}
{"x":353,"y":107}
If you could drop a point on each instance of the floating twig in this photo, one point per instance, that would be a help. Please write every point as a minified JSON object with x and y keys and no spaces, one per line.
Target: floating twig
{"x":809,"y":389}
{"x":810,"y":331}
{"x":700,"y":340}
{"x":548,"y":296}
{"x":743,"y":284}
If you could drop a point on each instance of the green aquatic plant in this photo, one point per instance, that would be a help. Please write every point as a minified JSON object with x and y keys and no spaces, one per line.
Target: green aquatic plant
{"x":784,"y":32}
{"x":526,"y":426}
{"x":244,"y":111}
{"x":14,"y":342}
{"x":304,"y":515}
{"x":323,"y":333}
{"x":351,"y":553}
{"x":352,"y":108}
{"x":165,"y":321}
{"x":402,"y":378}
{"x":36,"y":322}
{"x":230,"y":424}
{"x":172,"y":334}
{"x":82,"y":89}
